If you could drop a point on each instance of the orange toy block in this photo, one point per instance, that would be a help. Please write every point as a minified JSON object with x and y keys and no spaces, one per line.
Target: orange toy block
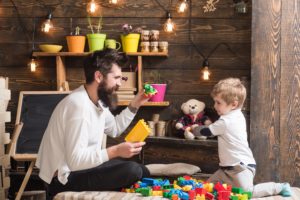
{"x":139,"y":132}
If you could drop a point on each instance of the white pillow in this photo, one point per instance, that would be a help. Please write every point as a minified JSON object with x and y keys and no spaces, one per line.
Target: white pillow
{"x":173,"y":169}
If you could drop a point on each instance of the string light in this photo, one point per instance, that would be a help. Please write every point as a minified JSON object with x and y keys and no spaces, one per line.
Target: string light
{"x":47,"y":24}
{"x":182,"y":6}
{"x":113,"y":2}
{"x":33,"y":64}
{"x":92,"y":7}
{"x":169,"y":26}
{"x":205,"y":71}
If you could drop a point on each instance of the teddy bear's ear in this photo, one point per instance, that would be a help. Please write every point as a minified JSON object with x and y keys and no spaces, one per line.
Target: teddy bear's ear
{"x":182,"y":106}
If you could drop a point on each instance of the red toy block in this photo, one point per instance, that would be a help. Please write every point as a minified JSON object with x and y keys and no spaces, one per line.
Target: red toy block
{"x":192,"y":194}
{"x":156,"y":187}
{"x":224,"y":195}
{"x":209,"y":196}
{"x":200,"y":191}
{"x":219,"y":187}
{"x":186,"y":177}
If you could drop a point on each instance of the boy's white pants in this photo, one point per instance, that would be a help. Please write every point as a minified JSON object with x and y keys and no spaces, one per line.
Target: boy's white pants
{"x":242,"y":176}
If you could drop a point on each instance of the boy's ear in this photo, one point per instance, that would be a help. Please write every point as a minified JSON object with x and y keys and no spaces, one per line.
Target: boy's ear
{"x":98,"y":76}
{"x":235,"y":104}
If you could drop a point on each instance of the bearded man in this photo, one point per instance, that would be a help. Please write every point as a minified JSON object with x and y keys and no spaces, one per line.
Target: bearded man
{"x":71,"y":156}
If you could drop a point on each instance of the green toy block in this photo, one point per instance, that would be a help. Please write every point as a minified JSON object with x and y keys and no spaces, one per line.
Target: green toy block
{"x":249,"y":194}
{"x":146,"y":192}
{"x":237,"y":190}
{"x":234,"y":198}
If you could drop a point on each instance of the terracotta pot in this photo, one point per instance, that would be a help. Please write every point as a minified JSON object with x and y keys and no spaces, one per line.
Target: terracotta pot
{"x":76,"y":43}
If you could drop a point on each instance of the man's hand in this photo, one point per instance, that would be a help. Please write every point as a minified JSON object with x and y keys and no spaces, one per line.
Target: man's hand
{"x":125,"y":149}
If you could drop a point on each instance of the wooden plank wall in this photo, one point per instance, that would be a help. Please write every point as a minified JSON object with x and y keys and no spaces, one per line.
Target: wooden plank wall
{"x":275,"y":90}
{"x":181,"y":69}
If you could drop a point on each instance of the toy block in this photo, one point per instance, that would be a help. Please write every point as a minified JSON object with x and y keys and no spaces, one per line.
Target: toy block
{"x":243,"y":197}
{"x":157,"y":193}
{"x":139,"y":132}
{"x":175,"y":197}
{"x":167,"y":194}
{"x":192,"y":194}
{"x":234,"y":197}
{"x":167,"y":187}
{"x":219,"y":187}
{"x":186,"y":177}
{"x":187,"y":188}
{"x":146,"y":192}
{"x":208,"y":187}
{"x":156,"y":187}
{"x":209,"y":196}
{"x":237,"y":190}
{"x":149,"y":90}
{"x":150,"y":181}
{"x":224,"y":195}
{"x":200,"y":197}
{"x":249,"y":194}
{"x":200,"y":191}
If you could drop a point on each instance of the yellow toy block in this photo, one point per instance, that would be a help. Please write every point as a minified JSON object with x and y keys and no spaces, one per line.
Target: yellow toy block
{"x":139,"y":132}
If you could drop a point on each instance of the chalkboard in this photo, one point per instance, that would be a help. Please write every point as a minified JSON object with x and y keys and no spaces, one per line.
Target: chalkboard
{"x":34,"y":110}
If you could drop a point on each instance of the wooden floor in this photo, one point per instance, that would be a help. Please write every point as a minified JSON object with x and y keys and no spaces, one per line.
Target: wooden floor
{"x":133,"y":196}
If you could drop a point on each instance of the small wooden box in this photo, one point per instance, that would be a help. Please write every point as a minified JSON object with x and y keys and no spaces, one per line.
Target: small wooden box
{"x":131,"y":80}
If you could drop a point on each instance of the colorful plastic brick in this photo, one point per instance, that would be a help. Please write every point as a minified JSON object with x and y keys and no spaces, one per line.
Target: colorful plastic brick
{"x":139,"y":132}
{"x":149,"y":90}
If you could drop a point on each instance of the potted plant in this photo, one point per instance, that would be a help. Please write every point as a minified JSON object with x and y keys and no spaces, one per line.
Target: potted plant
{"x":75,"y":41}
{"x":130,"y":38}
{"x":96,"y":39}
{"x":160,"y":85}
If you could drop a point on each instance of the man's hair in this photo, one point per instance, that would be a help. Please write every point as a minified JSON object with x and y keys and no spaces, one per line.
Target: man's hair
{"x":103,"y":61}
{"x":230,"y":90}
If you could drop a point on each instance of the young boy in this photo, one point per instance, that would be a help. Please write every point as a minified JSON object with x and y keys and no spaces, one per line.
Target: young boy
{"x":237,"y":164}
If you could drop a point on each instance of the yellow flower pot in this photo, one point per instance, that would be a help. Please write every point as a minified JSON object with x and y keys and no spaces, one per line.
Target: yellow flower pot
{"x":130,"y":42}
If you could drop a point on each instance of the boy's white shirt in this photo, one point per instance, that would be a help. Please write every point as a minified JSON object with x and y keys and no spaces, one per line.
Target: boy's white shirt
{"x":233,"y":146}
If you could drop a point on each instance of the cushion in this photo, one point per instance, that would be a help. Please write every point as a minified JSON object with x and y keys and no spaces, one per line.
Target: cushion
{"x":173,"y":169}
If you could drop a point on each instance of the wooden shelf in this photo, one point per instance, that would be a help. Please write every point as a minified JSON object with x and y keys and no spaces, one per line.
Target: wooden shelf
{"x":62,"y":84}
{"x":37,"y":54}
{"x":164,"y":103}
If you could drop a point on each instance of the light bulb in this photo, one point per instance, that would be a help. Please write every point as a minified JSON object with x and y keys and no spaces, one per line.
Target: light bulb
{"x":92,"y":7}
{"x":205,"y":73}
{"x":182,"y":6}
{"x":33,"y":65}
{"x":169,"y":26}
{"x":113,"y":1}
{"x":47,"y":25}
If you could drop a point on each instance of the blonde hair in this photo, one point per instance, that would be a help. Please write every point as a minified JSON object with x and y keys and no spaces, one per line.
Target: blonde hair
{"x":230,"y":90}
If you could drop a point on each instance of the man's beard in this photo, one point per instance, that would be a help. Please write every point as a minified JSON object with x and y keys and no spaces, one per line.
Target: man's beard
{"x":108,"y":96}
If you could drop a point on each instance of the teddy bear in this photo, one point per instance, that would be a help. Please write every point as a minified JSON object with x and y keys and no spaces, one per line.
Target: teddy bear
{"x":193,"y":110}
